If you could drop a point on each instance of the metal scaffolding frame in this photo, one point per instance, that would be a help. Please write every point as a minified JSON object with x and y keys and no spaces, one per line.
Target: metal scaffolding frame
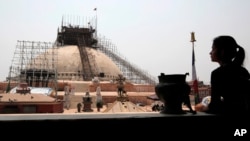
{"x":129,"y":70}
{"x":34,"y":62}
{"x":82,"y":36}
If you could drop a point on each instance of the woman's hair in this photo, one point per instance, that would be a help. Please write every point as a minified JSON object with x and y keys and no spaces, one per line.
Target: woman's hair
{"x":228,"y":50}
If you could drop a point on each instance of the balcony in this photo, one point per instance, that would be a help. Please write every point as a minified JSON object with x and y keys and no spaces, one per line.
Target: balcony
{"x":126,"y":125}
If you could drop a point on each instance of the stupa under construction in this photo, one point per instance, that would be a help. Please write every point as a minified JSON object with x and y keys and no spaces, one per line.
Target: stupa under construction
{"x":78,"y":54}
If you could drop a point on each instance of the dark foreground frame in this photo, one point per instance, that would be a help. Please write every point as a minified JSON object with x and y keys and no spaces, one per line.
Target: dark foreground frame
{"x":125,"y":125}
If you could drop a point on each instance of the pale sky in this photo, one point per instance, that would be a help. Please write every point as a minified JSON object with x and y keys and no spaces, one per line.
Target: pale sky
{"x":152,"y":34}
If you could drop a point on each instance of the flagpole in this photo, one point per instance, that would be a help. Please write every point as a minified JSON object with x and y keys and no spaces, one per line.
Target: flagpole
{"x":194,"y":75}
{"x":95,"y":9}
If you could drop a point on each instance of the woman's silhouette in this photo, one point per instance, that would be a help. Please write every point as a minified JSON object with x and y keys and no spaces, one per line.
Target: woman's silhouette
{"x":228,"y":81}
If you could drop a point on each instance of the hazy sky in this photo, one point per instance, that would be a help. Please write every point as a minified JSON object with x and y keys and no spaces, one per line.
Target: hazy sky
{"x":153,"y":34}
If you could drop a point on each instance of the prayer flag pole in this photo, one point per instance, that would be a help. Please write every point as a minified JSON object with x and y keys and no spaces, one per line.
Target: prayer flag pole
{"x":95,"y":9}
{"x":194,"y":75}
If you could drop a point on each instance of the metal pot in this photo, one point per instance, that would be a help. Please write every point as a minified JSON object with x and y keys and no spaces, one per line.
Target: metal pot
{"x":172,"y":90}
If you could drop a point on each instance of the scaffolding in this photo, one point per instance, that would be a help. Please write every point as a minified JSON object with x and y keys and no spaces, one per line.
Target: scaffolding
{"x":82,"y":37}
{"x":34,"y":63}
{"x":132,"y":73}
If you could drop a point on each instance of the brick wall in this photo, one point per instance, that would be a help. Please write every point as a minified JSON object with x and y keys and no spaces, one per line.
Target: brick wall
{"x":128,"y":87}
{"x":3,"y":86}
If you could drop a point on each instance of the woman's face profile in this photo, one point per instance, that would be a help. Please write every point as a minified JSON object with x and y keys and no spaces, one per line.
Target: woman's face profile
{"x":214,"y":54}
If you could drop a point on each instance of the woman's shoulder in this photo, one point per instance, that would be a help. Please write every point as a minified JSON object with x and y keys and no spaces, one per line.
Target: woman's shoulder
{"x":219,"y":70}
{"x":244,"y":72}
{"x":232,"y":67}
{"x":244,"y":69}
{"x":231,"y":70}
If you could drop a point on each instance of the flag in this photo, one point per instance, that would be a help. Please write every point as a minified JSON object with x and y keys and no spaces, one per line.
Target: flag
{"x":194,"y":79}
{"x":194,"y":75}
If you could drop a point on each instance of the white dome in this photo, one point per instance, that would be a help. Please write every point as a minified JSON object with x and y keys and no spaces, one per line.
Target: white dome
{"x":69,"y":62}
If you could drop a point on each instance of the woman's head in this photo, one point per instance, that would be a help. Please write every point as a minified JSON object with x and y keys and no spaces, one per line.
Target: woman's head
{"x":226,"y":50}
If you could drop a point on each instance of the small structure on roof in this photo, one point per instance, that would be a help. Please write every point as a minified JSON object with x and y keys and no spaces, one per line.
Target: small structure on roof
{"x":22,"y":88}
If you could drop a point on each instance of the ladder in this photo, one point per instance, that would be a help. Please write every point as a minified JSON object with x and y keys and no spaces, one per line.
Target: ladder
{"x":86,"y":66}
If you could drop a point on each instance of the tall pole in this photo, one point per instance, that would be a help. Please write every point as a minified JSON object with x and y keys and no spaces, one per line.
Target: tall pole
{"x":194,"y":75}
{"x":95,"y":9}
